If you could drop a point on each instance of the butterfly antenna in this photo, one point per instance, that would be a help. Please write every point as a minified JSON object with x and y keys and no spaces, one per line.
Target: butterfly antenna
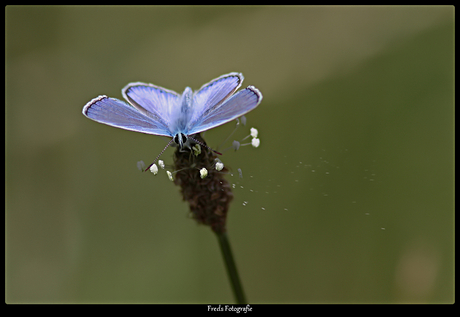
{"x":167,"y":145}
{"x":202,"y":144}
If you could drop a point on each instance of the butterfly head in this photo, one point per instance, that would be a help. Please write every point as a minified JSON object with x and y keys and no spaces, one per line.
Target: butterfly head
{"x":182,"y":141}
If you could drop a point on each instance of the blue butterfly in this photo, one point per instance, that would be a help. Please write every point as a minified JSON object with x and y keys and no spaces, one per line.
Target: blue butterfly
{"x":159,"y":111}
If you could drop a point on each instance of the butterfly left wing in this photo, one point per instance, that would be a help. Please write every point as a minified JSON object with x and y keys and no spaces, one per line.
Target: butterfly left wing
{"x":239,"y":104}
{"x":152,"y":100}
{"x":119,"y":114}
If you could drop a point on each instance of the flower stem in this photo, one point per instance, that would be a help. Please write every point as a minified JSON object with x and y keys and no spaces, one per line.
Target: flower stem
{"x":231,"y":268}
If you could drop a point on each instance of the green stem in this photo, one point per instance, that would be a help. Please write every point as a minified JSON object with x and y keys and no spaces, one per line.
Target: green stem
{"x":231,"y":268}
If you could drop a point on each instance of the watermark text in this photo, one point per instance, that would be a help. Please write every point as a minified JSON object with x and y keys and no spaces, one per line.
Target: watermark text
{"x":231,"y":308}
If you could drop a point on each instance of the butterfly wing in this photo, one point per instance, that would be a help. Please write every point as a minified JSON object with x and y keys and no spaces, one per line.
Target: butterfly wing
{"x":119,"y":114}
{"x":239,"y":104}
{"x":211,"y":95}
{"x":153,"y":101}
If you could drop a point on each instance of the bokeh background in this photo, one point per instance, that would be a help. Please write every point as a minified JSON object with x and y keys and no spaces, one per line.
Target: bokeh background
{"x":348,"y":199}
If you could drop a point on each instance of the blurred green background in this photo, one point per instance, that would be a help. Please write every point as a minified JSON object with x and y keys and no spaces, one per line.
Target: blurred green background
{"x":348,"y":199}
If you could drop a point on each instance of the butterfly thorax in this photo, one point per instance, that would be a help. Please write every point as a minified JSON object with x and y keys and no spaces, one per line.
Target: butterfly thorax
{"x":180,"y":116}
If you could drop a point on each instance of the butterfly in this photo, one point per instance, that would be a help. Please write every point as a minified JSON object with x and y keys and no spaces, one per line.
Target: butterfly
{"x":159,"y":111}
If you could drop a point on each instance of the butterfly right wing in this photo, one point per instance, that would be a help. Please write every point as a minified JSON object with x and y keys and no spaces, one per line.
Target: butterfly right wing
{"x":237,"y":105}
{"x":212,"y":95}
{"x":119,"y":114}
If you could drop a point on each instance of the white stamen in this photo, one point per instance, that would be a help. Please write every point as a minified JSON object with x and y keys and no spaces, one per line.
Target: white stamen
{"x":219,"y":166}
{"x":203,"y":172}
{"x":154,"y":169}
